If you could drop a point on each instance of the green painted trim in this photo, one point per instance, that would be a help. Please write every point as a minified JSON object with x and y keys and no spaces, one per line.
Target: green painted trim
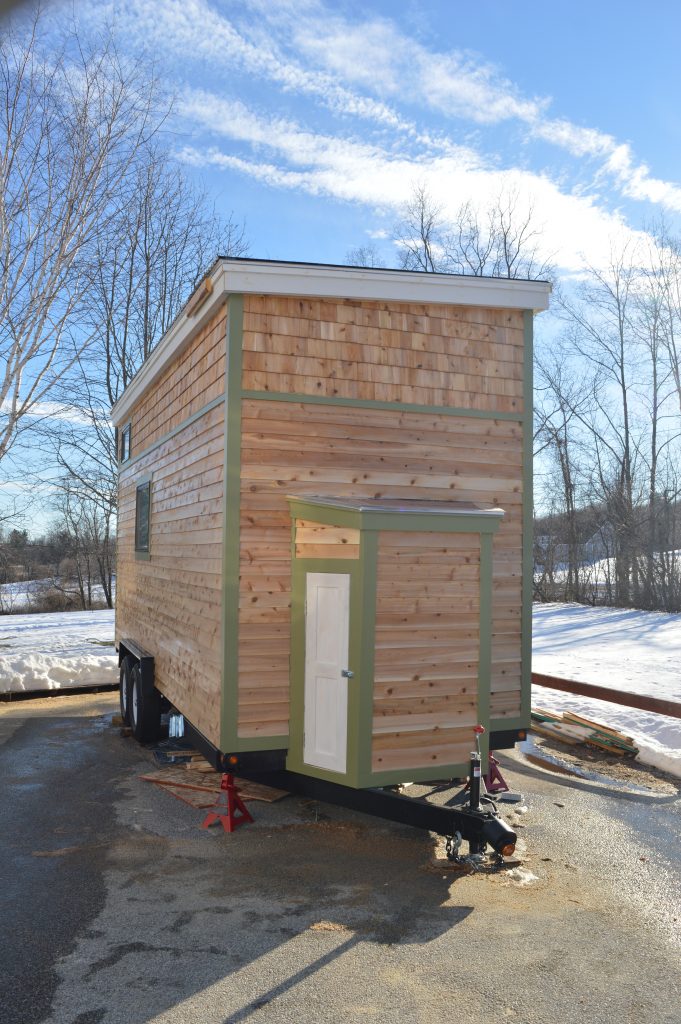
{"x":433,"y":773}
{"x":296,"y":764}
{"x":414,"y":522}
{"x":229,"y":709}
{"x":527,"y":527}
{"x":247,"y":743}
{"x":485,"y":641}
{"x":517,"y":722}
{"x":363,"y":692}
{"x":124,"y":466}
{"x":144,"y":554}
{"x":366,"y":403}
{"x":299,"y":570}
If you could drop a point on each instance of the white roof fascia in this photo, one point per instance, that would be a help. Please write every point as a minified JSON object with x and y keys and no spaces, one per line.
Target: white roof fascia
{"x":320,"y":281}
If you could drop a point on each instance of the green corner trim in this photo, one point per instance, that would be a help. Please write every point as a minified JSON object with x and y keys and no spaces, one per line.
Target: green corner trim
{"x":229,"y":739}
{"x":528,"y":560}
{"x":366,"y":403}
{"x":485,"y":641}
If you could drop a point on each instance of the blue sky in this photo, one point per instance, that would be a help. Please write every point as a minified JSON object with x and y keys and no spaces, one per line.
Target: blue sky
{"x":312,"y":120}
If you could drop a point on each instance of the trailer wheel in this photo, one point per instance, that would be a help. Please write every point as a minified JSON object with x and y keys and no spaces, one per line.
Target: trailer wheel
{"x":124,"y":688}
{"x":144,"y":707}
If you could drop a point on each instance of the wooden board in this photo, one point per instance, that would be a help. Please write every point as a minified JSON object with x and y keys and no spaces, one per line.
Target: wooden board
{"x":298,"y":448}
{"x":427,"y":675}
{"x":193,"y":379}
{"x":172,"y":603}
{"x":402,"y":352}
{"x":177,"y":778}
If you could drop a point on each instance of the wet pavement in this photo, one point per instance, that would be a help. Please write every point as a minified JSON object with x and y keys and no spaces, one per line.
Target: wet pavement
{"x":118,"y":909}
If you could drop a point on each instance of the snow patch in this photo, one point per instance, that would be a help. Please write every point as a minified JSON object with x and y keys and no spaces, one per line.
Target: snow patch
{"x":635,"y":651}
{"x":521,"y":876}
{"x":61,"y":649}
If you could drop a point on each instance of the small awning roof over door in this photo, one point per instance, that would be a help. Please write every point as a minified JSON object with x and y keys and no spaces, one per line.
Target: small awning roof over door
{"x":397,"y":513}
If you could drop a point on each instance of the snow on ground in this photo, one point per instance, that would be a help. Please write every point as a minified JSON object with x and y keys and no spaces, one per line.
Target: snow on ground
{"x":639,"y":652}
{"x":58,"y":649}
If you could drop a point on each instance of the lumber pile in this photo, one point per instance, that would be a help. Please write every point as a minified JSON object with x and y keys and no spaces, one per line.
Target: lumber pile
{"x":571,"y":728}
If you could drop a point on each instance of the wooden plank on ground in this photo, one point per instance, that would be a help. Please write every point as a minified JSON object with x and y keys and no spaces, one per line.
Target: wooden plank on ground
{"x":178,"y":779}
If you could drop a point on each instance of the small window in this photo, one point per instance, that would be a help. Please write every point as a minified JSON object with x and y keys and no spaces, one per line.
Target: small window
{"x":126,"y":436}
{"x":142,"y":517}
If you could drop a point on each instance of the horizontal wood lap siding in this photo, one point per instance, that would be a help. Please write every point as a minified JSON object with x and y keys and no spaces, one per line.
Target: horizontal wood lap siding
{"x":315,"y":540}
{"x":427,"y":643}
{"x":305,"y":449}
{"x":172,"y":603}
{"x":192,"y":380}
{"x":407,"y":353}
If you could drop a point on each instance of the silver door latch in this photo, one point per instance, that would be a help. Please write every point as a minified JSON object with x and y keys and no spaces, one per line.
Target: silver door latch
{"x":347,"y":674}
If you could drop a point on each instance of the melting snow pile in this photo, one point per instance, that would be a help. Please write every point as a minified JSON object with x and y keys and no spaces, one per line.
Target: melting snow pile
{"x":639,"y":652}
{"x":62,"y":649}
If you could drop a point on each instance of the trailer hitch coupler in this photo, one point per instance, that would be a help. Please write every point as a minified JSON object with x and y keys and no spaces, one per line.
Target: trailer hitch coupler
{"x":500,"y":836}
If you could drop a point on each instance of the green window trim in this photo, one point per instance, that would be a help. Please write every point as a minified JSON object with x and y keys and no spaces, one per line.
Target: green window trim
{"x":125,"y":443}
{"x":143,"y":518}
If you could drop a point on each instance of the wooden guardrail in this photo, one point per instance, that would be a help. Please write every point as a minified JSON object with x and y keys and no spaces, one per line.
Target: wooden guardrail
{"x":657,"y":705}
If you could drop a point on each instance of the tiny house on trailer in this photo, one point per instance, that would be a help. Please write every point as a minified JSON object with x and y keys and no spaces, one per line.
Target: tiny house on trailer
{"x":325,"y":532}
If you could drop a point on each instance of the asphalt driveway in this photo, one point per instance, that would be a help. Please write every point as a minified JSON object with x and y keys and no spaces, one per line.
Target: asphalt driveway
{"x":117,"y":908}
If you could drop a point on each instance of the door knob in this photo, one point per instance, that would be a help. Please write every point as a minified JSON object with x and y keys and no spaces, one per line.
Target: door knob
{"x":347,"y":674}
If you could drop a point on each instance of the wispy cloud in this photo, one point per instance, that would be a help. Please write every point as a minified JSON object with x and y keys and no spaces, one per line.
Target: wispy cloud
{"x":377,"y":56}
{"x":284,"y":155}
{"x":372,"y":77}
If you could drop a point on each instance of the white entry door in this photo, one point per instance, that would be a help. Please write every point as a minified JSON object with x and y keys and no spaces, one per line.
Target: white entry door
{"x":327,"y":618}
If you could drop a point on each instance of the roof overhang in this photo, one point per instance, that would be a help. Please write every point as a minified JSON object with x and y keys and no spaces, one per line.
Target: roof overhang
{"x":266,"y":277}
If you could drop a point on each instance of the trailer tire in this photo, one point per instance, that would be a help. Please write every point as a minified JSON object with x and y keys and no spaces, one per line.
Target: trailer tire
{"x":144,"y":707}
{"x":124,"y":688}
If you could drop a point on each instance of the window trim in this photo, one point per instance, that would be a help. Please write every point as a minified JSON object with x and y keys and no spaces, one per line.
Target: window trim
{"x":125,"y":448}
{"x":143,"y":553}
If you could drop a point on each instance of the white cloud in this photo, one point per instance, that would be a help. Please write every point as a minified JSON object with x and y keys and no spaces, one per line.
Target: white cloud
{"x":53,"y":411}
{"x":357,"y":69}
{"x":377,"y":56}
{"x":354,"y":171}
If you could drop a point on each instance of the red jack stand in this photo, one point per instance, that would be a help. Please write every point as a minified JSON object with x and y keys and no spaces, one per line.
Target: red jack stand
{"x":494,"y":780}
{"x":230,"y":811}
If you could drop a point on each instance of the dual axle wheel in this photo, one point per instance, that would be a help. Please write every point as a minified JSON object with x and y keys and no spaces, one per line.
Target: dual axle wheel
{"x":140,"y":702}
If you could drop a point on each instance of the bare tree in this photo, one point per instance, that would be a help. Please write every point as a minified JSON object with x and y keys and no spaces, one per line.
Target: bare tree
{"x":500,"y":239}
{"x":146,"y":263}
{"x":143,"y":267}
{"x":363,"y":256}
{"x":419,"y":233}
{"x":71,"y":126}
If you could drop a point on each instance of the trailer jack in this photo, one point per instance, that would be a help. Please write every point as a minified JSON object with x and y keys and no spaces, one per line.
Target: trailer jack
{"x":492,"y":830}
